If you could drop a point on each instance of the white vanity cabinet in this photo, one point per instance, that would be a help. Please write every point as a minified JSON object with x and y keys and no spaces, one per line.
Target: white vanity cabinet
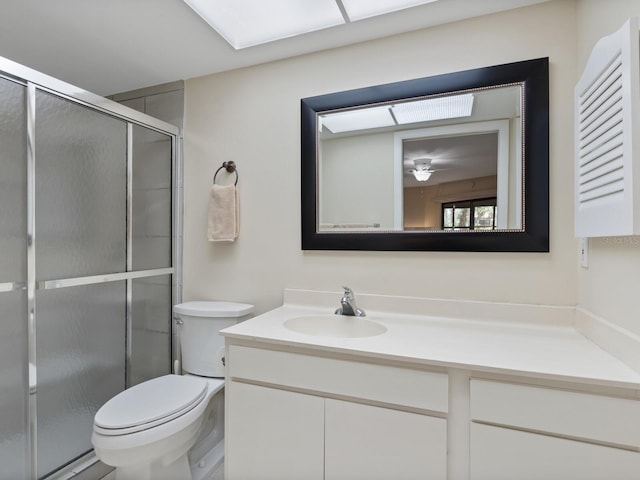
{"x":299,"y":416}
{"x":274,"y":434}
{"x":531,"y":433}
{"x":447,"y":396}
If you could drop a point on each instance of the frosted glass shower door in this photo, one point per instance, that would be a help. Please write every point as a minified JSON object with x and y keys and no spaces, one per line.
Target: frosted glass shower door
{"x":81,"y":190}
{"x":151,"y":249}
{"x":81,"y":234}
{"x":14,"y":394}
{"x":88,"y":242}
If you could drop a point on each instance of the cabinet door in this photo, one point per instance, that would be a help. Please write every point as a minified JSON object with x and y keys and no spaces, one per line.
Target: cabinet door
{"x":273,"y":434}
{"x":505,"y":454}
{"x":366,"y":442}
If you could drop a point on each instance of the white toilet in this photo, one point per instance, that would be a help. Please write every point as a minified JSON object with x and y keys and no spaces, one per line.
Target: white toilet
{"x":147,"y":431}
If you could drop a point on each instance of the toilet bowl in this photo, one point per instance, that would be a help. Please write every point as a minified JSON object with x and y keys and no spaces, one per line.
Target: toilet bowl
{"x":147,"y":431}
{"x":152,"y":443}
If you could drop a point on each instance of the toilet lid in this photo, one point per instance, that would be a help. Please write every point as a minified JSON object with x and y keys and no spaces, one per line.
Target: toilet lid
{"x":151,"y":403}
{"x":213,"y":309}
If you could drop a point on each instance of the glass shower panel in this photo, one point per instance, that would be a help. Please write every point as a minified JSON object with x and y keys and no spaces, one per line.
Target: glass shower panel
{"x":13,"y":386}
{"x":81,"y":190}
{"x":150,"y":328}
{"x":14,"y":381}
{"x":13,"y":182}
{"x":151,"y":223}
{"x":80,"y":349}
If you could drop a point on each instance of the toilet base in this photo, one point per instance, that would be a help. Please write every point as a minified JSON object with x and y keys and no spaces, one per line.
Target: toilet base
{"x":204,"y":467}
{"x":177,"y":470}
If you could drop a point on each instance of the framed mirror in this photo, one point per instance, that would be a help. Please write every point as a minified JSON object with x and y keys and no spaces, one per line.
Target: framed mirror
{"x":453,"y":162}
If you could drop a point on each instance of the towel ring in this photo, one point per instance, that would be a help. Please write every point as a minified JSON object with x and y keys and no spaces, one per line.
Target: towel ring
{"x":230,"y":167}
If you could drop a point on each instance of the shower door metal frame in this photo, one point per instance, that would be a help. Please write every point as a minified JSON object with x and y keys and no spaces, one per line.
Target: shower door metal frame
{"x":35,"y":81}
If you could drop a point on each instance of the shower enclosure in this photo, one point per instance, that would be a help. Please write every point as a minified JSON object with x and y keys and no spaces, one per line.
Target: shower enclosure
{"x":88,"y":263}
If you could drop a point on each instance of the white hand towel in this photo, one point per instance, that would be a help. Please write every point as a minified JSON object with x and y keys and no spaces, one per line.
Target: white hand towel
{"x":223,"y":213}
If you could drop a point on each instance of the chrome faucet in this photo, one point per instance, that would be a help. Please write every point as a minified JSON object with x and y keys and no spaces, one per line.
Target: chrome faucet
{"x":348,"y":305}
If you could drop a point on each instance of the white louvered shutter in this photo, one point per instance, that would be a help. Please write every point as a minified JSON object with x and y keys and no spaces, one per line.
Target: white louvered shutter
{"x":607,"y":144}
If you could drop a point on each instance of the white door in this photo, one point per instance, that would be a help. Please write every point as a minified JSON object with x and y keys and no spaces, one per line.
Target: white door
{"x":273,"y":434}
{"x":363,"y":442}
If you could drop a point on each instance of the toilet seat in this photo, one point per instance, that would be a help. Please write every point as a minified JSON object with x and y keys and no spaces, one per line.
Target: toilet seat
{"x":150,"y":404}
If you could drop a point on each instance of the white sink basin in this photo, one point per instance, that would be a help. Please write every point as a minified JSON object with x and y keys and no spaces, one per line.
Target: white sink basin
{"x":341,"y":326}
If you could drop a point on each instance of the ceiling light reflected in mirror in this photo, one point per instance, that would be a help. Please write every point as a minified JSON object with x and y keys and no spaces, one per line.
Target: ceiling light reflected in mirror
{"x":441,"y":108}
{"x":421,"y":174}
{"x":402,"y":113}
{"x":375,"y":117}
{"x":246,"y":23}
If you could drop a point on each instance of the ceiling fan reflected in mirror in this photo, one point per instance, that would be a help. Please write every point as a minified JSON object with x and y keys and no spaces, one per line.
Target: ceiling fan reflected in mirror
{"x":423,"y":169}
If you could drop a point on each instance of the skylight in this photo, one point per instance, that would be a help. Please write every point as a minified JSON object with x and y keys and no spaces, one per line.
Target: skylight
{"x":359,"y":9}
{"x":428,"y":110}
{"x":451,"y":106}
{"x":374,"y":117}
{"x":246,"y":23}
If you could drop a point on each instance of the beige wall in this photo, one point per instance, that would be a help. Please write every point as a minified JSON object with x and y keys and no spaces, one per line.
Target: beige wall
{"x":609,"y":288}
{"x":252,"y":116}
{"x":359,"y":170}
{"x":420,"y":209}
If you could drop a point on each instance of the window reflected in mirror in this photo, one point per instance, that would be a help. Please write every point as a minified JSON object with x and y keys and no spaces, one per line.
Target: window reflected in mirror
{"x":470,"y":215}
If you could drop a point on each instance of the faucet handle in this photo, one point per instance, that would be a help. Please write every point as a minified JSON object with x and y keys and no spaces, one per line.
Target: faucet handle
{"x":347,"y":291}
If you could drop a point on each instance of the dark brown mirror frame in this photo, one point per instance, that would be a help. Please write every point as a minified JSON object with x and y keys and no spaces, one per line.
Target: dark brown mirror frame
{"x":534,"y":237}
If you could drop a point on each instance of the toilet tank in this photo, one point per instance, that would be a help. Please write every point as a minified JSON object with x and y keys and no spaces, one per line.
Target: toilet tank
{"x":199,"y":333}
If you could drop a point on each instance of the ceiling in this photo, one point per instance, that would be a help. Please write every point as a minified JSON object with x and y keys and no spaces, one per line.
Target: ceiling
{"x":112,"y":46}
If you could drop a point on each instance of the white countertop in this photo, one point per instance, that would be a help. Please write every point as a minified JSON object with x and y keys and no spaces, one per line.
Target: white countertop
{"x":545,"y":350}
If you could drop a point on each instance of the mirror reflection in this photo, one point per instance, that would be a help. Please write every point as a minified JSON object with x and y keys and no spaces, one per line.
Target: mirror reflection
{"x":437,"y":163}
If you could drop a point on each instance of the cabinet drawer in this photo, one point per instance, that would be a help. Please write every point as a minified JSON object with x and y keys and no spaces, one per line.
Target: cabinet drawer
{"x":505,"y":454}
{"x":379,"y":383}
{"x":581,"y":415}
